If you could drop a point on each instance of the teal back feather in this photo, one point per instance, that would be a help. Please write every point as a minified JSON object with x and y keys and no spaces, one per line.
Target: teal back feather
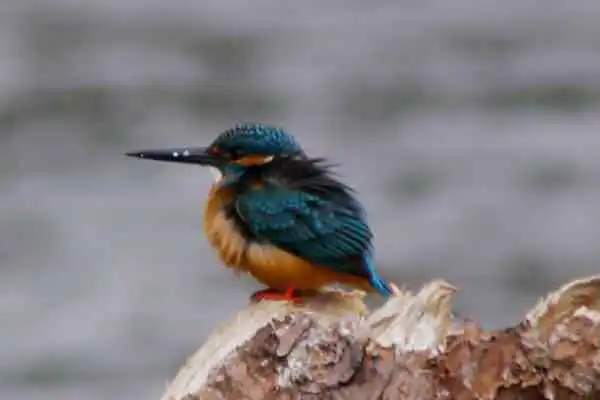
{"x":315,"y":218}
{"x":310,"y":226}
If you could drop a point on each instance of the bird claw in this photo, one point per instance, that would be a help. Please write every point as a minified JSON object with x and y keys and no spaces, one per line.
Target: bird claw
{"x":274,"y":295}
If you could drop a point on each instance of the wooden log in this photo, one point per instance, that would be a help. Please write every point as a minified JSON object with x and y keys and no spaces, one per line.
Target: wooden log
{"x":331,"y":347}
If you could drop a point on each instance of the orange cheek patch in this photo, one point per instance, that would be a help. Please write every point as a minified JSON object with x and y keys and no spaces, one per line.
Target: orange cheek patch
{"x":254,"y":160}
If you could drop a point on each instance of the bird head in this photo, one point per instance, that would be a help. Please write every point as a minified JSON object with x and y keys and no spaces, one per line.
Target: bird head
{"x":232,"y":152}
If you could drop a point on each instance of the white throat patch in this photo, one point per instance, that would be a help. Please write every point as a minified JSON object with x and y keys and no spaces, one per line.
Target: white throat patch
{"x":217,"y":175}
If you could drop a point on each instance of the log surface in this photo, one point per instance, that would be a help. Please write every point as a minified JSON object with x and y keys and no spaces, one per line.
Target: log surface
{"x":331,"y":347}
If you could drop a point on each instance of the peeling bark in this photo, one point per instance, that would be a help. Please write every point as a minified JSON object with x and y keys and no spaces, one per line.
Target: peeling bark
{"x":330,"y":347}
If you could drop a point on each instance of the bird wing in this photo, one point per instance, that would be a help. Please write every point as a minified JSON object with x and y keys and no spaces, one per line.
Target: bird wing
{"x":316,"y":229}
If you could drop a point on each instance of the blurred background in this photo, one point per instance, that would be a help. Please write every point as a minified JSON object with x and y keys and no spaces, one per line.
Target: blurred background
{"x":469,"y":127}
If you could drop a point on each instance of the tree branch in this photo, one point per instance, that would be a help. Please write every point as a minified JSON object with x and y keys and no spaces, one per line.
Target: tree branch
{"x":330,"y":347}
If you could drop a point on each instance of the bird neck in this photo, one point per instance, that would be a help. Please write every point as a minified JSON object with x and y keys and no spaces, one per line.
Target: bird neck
{"x":230,"y":175}
{"x":236,"y":180}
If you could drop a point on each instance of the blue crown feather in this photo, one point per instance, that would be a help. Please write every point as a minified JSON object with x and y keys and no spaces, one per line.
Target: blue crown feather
{"x":253,"y":138}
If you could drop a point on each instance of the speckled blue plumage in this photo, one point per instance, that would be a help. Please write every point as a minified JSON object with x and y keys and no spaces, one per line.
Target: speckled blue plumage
{"x":325,"y":232}
{"x":309,"y":225}
{"x":296,"y":204}
{"x":253,"y":138}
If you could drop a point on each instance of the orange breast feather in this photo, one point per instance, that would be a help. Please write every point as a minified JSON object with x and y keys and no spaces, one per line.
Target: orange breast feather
{"x":268,"y":264}
{"x":221,"y":232}
{"x":279,"y":269}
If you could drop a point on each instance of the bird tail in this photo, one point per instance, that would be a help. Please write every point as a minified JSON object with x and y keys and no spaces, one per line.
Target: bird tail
{"x":375,"y":280}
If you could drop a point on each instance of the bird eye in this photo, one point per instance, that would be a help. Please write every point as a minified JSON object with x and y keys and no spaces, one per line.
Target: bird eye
{"x":229,"y":153}
{"x":234,"y":154}
{"x":218,"y":152}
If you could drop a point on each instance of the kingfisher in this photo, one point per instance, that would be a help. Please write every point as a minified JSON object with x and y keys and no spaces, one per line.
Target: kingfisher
{"x":279,"y":215}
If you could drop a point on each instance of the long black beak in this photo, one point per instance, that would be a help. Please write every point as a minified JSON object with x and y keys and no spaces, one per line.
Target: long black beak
{"x":186,"y":155}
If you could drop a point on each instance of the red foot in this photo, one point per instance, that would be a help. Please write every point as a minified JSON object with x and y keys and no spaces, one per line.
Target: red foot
{"x":274,"y":295}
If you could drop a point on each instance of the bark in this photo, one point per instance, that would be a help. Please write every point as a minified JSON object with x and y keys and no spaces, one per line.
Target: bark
{"x":412,"y":347}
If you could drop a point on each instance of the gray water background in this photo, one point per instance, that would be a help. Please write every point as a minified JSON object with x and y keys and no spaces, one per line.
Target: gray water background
{"x":469,"y":127}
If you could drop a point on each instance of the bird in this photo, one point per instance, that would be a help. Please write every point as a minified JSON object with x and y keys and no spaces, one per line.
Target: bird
{"x":279,"y":215}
